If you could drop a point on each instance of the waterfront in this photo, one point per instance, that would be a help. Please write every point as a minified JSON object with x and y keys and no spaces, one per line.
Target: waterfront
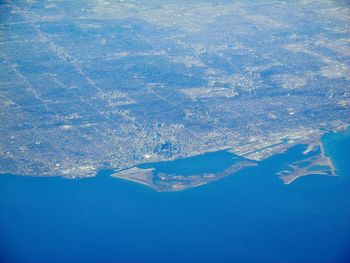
{"x":247,"y":217}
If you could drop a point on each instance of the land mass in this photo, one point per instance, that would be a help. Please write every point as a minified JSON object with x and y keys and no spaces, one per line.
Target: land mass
{"x":94,"y":85}
{"x":161,"y":181}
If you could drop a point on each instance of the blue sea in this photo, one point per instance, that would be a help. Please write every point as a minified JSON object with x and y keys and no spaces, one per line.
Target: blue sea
{"x":250,"y":216}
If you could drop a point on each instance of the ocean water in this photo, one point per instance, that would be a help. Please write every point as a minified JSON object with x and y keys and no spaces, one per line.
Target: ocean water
{"x":247,"y":217}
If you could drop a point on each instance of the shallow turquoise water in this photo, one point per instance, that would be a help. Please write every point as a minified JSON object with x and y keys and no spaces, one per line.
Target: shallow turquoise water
{"x":247,"y":217}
